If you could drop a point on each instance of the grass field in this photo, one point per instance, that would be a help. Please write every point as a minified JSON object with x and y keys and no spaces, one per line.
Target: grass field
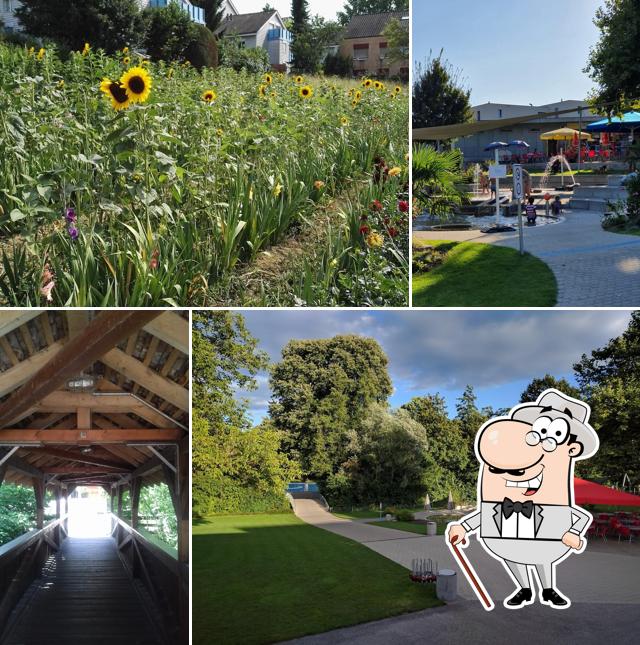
{"x":267,"y":578}
{"x":484,"y":275}
{"x":414,"y":527}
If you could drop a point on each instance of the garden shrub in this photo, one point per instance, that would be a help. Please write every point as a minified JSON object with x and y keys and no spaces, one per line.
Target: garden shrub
{"x":203,"y":50}
{"x":337,"y":65}
{"x":228,"y":496}
{"x":403,"y":515}
{"x":231,"y":54}
{"x":170,"y":32}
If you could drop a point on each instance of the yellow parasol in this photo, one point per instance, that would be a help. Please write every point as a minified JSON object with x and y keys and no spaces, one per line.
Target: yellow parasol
{"x":565,"y":134}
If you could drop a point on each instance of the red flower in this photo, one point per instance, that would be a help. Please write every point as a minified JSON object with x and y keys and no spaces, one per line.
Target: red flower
{"x":393,"y":232}
{"x":376,"y":205}
{"x":364,"y":230}
{"x":403,"y":206}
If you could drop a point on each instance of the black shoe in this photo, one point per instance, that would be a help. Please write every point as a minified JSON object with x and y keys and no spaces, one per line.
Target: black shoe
{"x":520,"y":597}
{"x":553,"y":597}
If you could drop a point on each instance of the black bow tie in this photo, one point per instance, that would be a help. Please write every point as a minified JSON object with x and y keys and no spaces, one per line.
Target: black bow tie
{"x":510,"y":507}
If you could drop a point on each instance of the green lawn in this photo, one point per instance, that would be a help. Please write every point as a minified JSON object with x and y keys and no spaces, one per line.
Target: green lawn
{"x":414,"y":527}
{"x":484,"y":275}
{"x":266,"y":578}
{"x":357,"y":514}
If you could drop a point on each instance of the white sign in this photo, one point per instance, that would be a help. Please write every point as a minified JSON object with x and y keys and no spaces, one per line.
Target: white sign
{"x":518,"y":182}
{"x":497,"y":171}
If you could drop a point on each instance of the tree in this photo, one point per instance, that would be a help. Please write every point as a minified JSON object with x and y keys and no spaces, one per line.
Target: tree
{"x":448,"y":453}
{"x":155,"y":502}
{"x":320,"y":390}
{"x":539,"y":385}
{"x":203,"y":50}
{"x":268,"y":7}
{"x":397,"y":35}
{"x":610,"y":380}
{"x":170,"y":32}
{"x":390,"y":459}
{"x":438,"y":95}
{"x":613,"y":62}
{"x":301,"y":45}
{"x":106,"y":24}
{"x":225,"y":359}
{"x":360,"y":7}
{"x":232,"y":54}
{"x":213,"y":12}
{"x":310,"y":44}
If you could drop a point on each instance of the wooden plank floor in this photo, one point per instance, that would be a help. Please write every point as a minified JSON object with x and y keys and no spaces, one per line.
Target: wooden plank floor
{"x":84,"y":597}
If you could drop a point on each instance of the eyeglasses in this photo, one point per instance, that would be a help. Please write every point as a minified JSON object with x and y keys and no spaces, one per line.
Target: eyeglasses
{"x":549,"y":444}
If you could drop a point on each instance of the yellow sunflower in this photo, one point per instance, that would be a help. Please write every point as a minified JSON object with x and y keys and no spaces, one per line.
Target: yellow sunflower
{"x":137,"y":84}
{"x":116,"y":93}
{"x":31,"y":51}
{"x":262,"y":90}
{"x":306,"y":92}
{"x":41,"y":53}
{"x":209,"y":96}
{"x":378,"y":85}
{"x":358,"y":95}
{"x":126,"y":60}
{"x":86,"y":49}
{"x":374,"y":240}
{"x":299,"y":80}
{"x":344,"y":121}
{"x":398,"y":89}
{"x":125,"y":50}
{"x":367,"y":82}
{"x":354,"y":103}
{"x":268,"y":79}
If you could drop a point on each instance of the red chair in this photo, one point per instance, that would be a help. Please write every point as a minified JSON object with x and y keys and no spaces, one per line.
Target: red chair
{"x":623,"y":532}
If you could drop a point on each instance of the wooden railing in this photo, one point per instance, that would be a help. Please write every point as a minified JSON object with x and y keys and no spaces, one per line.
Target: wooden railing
{"x":163,"y":577}
{"x":22,"y":560}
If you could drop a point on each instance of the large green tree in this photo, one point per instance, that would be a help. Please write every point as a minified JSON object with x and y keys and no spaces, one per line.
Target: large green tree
{"x":448,"y":453}
{"x":235,"y":468}
{"x":439,"y":97}
{"x":320,"y":390}
{"x":359,"y":7}
{"x":300,"y":47}
{"x":614,"y":63}
{"x":170,"y":32}
{"x":310,"y":44}
{"x":106,"y":24}
{"x":610,"y":380}
{"x":397,"y":34}
{"x":539,"y":385}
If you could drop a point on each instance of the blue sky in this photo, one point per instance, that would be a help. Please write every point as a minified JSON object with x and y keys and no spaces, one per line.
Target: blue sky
{"x":524,"y":51}
{"x":498,"y":352}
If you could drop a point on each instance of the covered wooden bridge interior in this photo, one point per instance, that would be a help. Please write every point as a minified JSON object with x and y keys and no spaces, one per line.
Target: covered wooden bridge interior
{"x":94,"y":398}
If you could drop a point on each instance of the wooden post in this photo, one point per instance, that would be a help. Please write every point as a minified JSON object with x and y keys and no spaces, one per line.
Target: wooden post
{"x":57,"y":491}
{"x":3,"y":472}
{"x":38,"y":489}
{"x":119,"y":512}
{"x":136,"y":484}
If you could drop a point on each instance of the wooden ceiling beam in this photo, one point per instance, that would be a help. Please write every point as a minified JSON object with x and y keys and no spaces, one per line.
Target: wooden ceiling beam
{"x":147,"y":378}
{"x":171,"y":328}
{"x":19,"y":374}
{"x":81,"y":469}
{"x":24,"y":436}
{"x":100,"y":335}
{"x":10,"y":320}
{"x":78,"y":457}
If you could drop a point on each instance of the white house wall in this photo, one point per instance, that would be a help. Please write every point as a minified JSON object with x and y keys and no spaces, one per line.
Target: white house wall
{"x":7,"y":15}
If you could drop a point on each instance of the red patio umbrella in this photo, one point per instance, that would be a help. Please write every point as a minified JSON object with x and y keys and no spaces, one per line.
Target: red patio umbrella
{"x":587,"y":492}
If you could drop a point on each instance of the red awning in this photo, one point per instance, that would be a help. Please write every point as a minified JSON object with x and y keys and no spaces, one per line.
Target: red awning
{"x":587,"y":492}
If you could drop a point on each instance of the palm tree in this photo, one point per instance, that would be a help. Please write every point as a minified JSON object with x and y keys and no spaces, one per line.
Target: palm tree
{"x":435,"y":178}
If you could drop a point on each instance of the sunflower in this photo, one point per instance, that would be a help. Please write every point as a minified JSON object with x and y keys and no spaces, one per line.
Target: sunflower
{"x":268,"y":79}
{"x":262,"y":90}
{"x":86,"y":49}
{"x":125,"y":50}
{"x":306,"y":92}
{"x":344,"y":121}
{"x":31,"y":51}
{"x":378,"y":85}
{"x":374,"y":240}
{"x":350,"y":93}
{"x":137,"y":84}
{"x":354,"y":103}
{"x":209,"y":96}
{"x":367,"y":82}
{"x":299,"y":80}
{"x":398,"y":89}
{"x":358,"y":95}
{"x":41,"y":53}
{"x":126,"y":60}
{"x":116,"y":92}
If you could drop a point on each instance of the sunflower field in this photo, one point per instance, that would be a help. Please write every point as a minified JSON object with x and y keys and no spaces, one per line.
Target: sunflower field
{"x":128,"y":183}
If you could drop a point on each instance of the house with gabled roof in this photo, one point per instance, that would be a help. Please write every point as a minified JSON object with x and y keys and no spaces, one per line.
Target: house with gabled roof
{"x":364,"y":42}
{"x":264,"y":29}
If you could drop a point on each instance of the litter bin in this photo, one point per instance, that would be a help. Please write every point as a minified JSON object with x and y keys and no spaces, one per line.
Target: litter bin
{"x":432,"y":528}
{"x":447,"y":585}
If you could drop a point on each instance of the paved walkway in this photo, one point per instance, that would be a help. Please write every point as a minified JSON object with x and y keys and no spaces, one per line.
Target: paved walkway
{"x":601,"y":582}
{"x":593,"y":267}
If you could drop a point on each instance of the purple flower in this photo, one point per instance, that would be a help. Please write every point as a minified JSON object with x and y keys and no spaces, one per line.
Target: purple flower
{"x":70,"y":215}
{"x":73,"y":233}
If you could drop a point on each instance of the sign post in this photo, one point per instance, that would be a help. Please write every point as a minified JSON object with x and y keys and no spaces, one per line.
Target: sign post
{"x":518,"y":194}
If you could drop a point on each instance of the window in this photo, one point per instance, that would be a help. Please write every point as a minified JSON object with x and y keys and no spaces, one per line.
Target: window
{"x":478,"y":115}
{"x":361,"y":52}
{"x":500,"y":113}
{"x":7,"y":5}
{"x":383,"y":50}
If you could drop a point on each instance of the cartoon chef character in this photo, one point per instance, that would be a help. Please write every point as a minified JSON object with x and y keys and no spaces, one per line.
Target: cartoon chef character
{"x":526,"y":516}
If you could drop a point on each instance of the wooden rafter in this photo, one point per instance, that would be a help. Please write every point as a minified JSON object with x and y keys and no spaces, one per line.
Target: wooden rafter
{"x":79,"y":457}
{"x":10,"y":320}
{"x":20,"y":373}
{"x":100,"y":335}
{"x":171,"y":328}
{"x":75,"y":437}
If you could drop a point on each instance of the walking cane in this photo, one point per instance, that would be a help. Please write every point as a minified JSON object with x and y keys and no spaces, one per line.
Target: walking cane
{"x":471,"y":576}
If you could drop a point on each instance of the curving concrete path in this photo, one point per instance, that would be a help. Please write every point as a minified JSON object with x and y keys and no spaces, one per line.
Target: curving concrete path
{"x":593,"y":268}
{"x":601,"y":582}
